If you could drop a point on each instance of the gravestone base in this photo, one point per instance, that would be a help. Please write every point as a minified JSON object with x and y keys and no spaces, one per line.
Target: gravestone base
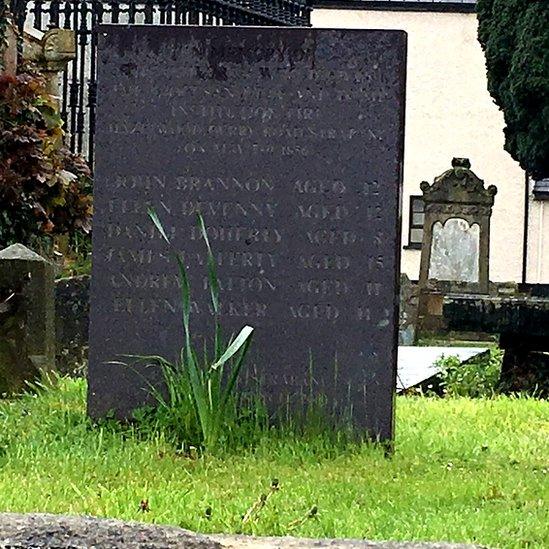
{"x":430,"y":317}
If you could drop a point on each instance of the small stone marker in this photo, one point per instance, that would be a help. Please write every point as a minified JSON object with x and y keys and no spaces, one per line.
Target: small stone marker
{"x":27,"y":331}
{"x":289,"y":141}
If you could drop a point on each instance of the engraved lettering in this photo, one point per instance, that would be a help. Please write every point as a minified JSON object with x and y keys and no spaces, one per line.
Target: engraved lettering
{"x":325,"y":262}
{"x":238,"y":234}
{"x":324,"y":287}
{"x":326,"y":236}
{"x":315,"y":312}
{"x":319,"y":211}
{"x":319,"y":187}
{"x":373,"y":288}
{"x":243,"y":284}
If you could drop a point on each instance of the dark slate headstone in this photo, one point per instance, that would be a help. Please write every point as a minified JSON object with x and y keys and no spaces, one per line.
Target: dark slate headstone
{"x":290,"y":142}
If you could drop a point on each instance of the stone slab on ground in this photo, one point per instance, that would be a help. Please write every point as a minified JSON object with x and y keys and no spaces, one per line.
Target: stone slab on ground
{"x":417,"y":364}
{"x":80,"y":532}
{"x":248,"y":542}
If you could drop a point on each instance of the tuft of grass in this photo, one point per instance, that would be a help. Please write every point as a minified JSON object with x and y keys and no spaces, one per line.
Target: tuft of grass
{"x":464,"y":470}
{"x":200,"y":402}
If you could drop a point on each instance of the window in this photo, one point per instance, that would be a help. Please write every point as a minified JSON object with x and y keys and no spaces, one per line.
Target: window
{"x":541,"y":189}
{"x":417,"y":218}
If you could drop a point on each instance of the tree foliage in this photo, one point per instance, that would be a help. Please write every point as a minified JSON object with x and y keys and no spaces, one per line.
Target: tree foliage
{"x":44,"y":188}
{"x":514,"y":35}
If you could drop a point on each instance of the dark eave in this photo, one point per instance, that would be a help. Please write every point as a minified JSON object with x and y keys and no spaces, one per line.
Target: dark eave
{"x":456,"y":6}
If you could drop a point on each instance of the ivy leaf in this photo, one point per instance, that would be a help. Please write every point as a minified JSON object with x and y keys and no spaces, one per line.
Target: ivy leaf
{"x":51,"y":118}
{"x":67,"y":177}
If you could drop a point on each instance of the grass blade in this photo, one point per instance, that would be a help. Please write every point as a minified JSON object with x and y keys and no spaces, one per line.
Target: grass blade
{"x":155,"y":219}
{"x":229,"y":389}
{"x":185,"y":300}
{"x":234,"y":347}
{"x":212,"y":267}
{"x":197,"y":395}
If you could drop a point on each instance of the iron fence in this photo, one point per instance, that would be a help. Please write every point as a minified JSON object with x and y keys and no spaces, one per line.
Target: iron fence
{"x":78,"y":87}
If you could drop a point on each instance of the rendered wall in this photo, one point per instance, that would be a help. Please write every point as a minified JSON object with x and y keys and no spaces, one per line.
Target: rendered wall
{"x":538,"y":242}
{"x":449,"y":112}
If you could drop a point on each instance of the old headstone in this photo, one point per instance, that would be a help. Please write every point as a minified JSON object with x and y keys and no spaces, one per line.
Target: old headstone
{"x":289,"y":141}
{"x":50,"y":51}
{"x":27,"y":340}
{"x":455,"y":251}
{"x":456,"y":237}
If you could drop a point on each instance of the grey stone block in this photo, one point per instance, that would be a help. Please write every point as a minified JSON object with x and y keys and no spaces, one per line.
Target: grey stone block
{"x":27,"y":332}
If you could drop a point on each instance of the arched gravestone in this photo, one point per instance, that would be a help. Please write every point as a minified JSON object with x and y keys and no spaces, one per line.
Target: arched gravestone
{"x":289,"y":142}
{"x":456,"y":237}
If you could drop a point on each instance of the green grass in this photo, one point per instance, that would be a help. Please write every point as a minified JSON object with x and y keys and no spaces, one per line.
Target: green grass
{"x":464,"y":470}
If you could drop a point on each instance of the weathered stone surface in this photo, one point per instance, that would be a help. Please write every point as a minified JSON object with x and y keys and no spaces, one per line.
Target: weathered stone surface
{"x":522,"y":322}
{"x":407,"y":311}
{"x":456,"y":236}
{"x":455,"y":251}
{"x":61,"y":532}
{"x":72,"y":317}
{"x":518,"y":314}
{"x":289,"y":141}
{"x":27,"y":336}
{"x":50,"y":51}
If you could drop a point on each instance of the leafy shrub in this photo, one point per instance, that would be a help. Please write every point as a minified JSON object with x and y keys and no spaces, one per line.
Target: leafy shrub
{"x":44,"y":188}
{"x":475,"y":378}
{"x":200,"y":404}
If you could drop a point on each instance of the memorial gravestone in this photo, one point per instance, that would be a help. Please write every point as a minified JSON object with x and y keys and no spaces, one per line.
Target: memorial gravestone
{"x":289,"y":142}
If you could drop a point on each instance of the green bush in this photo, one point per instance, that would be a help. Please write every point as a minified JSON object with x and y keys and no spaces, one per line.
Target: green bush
{"x":514,"y":35}
{"x":45,"y":189}
{"x":475,"y":378}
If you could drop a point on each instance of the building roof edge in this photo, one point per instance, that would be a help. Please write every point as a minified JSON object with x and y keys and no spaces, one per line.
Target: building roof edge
{"x":455,"y":6}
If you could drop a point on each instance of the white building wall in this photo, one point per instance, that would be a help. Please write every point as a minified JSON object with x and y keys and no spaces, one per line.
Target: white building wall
{"x":538,"y":242}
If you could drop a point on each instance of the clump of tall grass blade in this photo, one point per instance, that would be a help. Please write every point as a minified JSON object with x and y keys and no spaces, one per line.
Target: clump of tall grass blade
{"x":199,"y":403}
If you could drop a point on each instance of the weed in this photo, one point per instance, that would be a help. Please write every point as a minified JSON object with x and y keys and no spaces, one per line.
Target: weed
{"x":475,"y":378}
{"x":200,"y":403}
